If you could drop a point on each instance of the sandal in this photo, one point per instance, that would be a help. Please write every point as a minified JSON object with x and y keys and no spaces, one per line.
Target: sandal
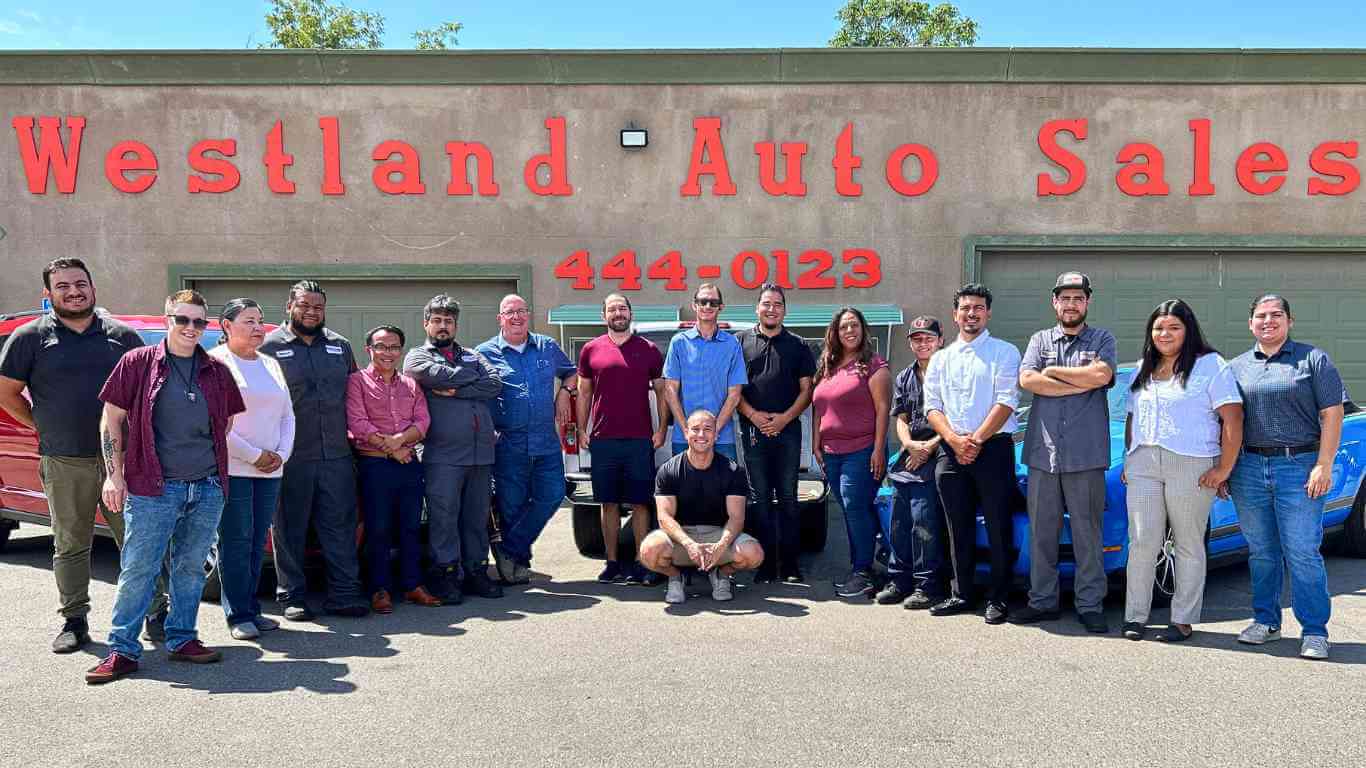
{"x":1173,"y":634}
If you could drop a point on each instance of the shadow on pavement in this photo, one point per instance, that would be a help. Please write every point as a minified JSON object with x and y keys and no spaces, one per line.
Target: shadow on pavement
{"x":748,"y":600}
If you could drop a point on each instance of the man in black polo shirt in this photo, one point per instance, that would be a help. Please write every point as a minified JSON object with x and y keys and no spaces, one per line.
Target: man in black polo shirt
{"x":700,"y":496}
{"x":779,"y":367}
{"x":63,"y":359}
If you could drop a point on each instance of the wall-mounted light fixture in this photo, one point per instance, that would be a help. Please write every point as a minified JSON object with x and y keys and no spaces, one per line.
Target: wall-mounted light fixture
{"x":634,"y":138}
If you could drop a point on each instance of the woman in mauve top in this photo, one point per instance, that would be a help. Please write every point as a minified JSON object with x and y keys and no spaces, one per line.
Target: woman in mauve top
{"x":851,"y":402}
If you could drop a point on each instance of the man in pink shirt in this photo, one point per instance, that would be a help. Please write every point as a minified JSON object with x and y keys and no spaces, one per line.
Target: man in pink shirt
{"x":386,"y":415}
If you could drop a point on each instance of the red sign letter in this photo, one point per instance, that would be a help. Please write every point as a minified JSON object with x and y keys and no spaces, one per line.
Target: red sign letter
{"x":228,"y":176}
{"x":483,"y":163}
{"x":277,"y":161}
{"x":49,"y":153}
{"x":1154,"y":179}
{"x":792,"y":183}
{"x":408,"y":169}
{"x":117,"y":164}
{"x":708,"y":159}
{"x":929,"y":169}
{"x":332,"y":180}
{"x":1200,"y":183}
{"x":1262,"y":157}
{"x":1347,"y":173}
{"x":555,"y":160}
{"x":845,"y":162}
{"x":1073,"y":165}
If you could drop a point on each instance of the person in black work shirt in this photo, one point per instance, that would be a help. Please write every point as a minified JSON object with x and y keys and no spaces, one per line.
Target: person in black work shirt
{"x":700,"y":496}
{"x":779,"y":366}
{"x":319,"y":484}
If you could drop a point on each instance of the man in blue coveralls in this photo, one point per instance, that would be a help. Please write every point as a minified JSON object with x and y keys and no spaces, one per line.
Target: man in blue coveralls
{"x":529,"y":414}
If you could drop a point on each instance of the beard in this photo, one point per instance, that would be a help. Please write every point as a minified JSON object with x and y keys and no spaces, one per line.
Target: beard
{"x":74,"y":314}
{"x":1077,"y":323}
{"x":770,"y":324}
{"x":303,"y":330}
{"x":441,"y":343}
{"x":618,"y":324}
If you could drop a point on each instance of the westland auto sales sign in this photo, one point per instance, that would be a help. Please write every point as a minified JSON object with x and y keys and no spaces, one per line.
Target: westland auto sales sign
{"x":50,"y":149}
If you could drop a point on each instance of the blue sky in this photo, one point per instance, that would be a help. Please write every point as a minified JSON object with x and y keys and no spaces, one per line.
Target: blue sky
{"x":693,"y":23}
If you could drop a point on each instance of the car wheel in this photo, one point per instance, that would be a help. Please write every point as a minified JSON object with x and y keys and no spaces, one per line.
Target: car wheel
{"x":1354,"y":530}
{"x":6,"y":527}
{"x":1164,"y":575}
{"x":815,"y":525}
{"x":213,"y":586}
{"x":588,"y":530}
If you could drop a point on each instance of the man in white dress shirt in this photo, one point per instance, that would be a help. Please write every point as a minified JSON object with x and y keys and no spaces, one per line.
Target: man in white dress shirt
{"x":970,"y":399}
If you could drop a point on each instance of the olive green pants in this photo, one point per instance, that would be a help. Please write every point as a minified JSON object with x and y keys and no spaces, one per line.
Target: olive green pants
{"x":72,"y":485}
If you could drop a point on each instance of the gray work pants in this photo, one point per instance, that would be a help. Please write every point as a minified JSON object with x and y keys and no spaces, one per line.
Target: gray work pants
{"x":458,"y":501}
{"x":1082,"y":496}
{"x":321,"y":492}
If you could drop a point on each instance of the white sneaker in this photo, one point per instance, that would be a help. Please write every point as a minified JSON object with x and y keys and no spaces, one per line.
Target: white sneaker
{"x":720,"y":585}
{"x":245,"y":631}
{"x":1314,"y":647}
{"x":675,"y":594}
{"x":1257,"y":634}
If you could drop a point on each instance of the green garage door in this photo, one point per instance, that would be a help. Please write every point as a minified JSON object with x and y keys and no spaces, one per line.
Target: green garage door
{"x":1327,"y":293}
{"x":356,"y":306}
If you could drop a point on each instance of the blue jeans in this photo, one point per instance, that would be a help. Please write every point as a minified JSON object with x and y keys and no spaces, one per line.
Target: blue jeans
{"x":1282,"y":526}
{"x":530,"y":489}
{"x":185,"y":519}
{"x":391,"y":501}
{"x":849,"y":474}
{"x":242,"y":543}
{"x":725,"y":449}
{"x":914,"y":530}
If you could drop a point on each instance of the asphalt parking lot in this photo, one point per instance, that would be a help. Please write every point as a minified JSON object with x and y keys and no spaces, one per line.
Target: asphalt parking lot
{"x":570,"y":672}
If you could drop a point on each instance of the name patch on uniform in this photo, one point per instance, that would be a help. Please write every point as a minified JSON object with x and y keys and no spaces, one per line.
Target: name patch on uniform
{"x":284,"y":353}
{"x":333,"y":349}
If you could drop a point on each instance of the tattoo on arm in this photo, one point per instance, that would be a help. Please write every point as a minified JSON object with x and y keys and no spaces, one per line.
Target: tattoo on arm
{"x":108,"y":444}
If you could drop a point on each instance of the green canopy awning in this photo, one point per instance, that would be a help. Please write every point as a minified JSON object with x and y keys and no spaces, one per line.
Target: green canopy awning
{"x":591,"y":314}
{"x":818,"y":315}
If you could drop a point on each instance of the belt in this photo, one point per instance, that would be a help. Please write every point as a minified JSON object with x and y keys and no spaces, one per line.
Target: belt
{"x":1286,"y":451}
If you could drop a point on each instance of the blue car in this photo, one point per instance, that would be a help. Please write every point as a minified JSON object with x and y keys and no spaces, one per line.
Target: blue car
{"x":1344,"y":512}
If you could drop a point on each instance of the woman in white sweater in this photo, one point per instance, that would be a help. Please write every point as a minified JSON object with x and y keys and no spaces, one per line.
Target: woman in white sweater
{"x":258,"y":447}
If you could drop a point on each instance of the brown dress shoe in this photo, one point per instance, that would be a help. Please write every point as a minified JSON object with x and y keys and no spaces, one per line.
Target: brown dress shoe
{"x":380,"y":602}
{"x":421,"y":596}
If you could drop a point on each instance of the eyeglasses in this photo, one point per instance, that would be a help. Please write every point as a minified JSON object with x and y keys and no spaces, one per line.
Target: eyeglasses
{"x":523,"y":312}
{"x":199,"y":323}
{"x":707,"y":302}
{"x":1071,"y":299}
{"x":386,"y":348}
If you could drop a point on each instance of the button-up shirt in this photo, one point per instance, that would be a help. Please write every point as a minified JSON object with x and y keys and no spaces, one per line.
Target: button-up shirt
{"x":461,"y":432}
{"x":705,"y":369}
{"x":375,"y":406}
{"x":908,"y":397}
{"x":524,"y":411}
{"x":1070,"y":433}
{"x":967,"y":378}
{"x":133,"y":386}
{"x":317,"y":375}
{"x":1283,"y":394}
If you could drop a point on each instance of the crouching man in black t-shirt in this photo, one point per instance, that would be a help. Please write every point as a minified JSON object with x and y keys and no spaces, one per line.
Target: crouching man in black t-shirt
{"x":700,"y":496}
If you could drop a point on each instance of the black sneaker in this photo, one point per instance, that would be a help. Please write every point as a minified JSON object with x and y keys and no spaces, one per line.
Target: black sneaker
{"x":635,"y":574}
{"x":765,"y":576}
{"x":891,"y":594}
{"x":997,"y":613}
{"x":75,"y":633}
{"x":505,"y":564}
{"x":1030,"y":615}
{"x":612,"y":574}
{"x":1095,"y":622}
{"x":154,"y":628}
{"x":479,"y":584}
{"x":793,"y":576}
{"x":919,"y":600}
{"x":856,"y":584}
{"x":442,"y":583}
{"x":951,"y":607}
{"x":652,"y":579}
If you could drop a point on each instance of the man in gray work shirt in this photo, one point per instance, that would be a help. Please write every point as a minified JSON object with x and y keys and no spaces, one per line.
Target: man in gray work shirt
{"x":1069,"y":368}
{"x":319,"y":484}
{"x":457,"y":454}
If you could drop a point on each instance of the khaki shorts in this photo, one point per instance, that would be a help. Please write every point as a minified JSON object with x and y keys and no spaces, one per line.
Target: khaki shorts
{"x":706,"y":534}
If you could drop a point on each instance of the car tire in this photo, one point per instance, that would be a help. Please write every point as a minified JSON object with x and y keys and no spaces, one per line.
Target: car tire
{"x":213,"y":586}
{"x":1164,"y":575}
{"x":1354,"y":528}
{"x":6,"y":527}
{"x":588,"y":530}
{"x":815,"y":525}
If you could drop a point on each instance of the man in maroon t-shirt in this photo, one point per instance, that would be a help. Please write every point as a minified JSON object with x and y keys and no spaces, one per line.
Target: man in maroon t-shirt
{"x":616,"y":372}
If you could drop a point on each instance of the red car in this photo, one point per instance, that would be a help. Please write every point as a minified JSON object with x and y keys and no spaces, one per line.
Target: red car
{"x":21,"y":492}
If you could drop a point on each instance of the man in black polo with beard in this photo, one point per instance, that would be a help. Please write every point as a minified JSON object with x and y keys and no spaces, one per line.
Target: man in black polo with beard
{"x":319,"y":484}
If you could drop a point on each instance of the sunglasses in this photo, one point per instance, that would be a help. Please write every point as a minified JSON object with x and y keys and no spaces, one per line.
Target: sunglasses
{"x":199,"y":323}
{"x":707,"y":302}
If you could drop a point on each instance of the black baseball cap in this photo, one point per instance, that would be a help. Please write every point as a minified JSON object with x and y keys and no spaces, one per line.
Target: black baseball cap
{"x":925,"y":324}
{"x":1072,"y":280}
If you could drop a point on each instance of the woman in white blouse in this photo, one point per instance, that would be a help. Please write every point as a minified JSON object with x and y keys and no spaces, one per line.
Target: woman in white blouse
{"x":258,"y":447}
{"x":1182,"y":437}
